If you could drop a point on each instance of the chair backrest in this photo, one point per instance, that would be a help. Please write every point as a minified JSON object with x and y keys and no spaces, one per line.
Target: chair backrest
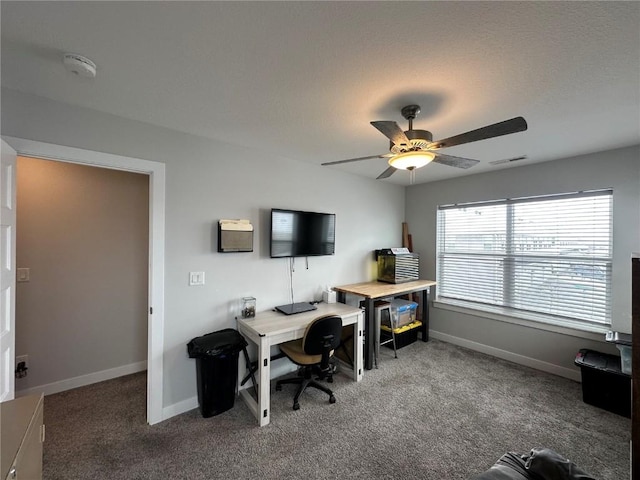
{"x":322,"y":335}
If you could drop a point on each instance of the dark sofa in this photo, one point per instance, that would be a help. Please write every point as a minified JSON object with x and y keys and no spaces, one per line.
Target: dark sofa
{"x":539,"y":464}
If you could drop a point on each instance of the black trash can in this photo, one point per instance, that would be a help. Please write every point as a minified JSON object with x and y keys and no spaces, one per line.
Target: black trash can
{"x":216,"y":357}
{"x":603,"y":383}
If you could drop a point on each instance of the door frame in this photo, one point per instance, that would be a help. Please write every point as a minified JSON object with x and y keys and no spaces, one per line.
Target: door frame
{"x":156,"y":173}
{"x":7,"y":272}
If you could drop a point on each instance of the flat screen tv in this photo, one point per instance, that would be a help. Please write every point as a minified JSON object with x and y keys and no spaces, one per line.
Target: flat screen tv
{"x":302,"y":234}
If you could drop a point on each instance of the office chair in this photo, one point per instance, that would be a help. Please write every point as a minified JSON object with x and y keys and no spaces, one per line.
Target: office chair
{"x":312,"y":353}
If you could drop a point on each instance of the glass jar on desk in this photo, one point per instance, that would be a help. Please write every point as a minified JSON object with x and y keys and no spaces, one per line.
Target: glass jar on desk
{"x":248,"y":307}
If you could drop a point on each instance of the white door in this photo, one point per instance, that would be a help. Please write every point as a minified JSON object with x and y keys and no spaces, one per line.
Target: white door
{"x":7,"y":271}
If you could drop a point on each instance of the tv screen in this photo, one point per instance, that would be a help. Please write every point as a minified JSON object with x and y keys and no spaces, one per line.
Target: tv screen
{"x":302,"y":234}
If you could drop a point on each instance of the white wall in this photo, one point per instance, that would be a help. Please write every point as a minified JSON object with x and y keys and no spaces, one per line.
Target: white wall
{"x":207,"y":180}
{"x":618,"y":169}
{"x":84,"y":233}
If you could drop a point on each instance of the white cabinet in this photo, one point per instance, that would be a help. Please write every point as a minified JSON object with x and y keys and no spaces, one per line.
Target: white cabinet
{"x":22,"y":436}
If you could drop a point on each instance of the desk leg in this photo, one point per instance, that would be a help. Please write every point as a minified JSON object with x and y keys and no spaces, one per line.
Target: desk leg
{"x":369,"y":333}
{"x":425,"y":315}
{"x":264,"y":372}
{"x":358,"y":333}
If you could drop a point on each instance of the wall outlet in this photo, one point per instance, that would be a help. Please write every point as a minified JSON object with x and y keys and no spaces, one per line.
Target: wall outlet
{"x":22,"y":366}
{"x":23,"y":274}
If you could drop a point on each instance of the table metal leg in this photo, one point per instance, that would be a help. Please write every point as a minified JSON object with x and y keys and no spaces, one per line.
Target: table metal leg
{"x":369,"y":333}
{"x":425,"y":314}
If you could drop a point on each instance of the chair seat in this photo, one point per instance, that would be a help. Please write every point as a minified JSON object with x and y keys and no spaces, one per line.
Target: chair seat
{"x":295,"y":352}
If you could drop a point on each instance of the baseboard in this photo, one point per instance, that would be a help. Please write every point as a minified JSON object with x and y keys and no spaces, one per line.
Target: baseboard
{"x":179,"y":408}
{"x":82,"y":380}
{"x":510,"y":356}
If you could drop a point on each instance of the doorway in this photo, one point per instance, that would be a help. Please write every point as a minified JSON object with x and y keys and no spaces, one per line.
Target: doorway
{"x":156,"y":175}
{"x":81,"y":293}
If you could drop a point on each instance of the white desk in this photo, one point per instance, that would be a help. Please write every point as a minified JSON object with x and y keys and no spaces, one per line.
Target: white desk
{"x":273,"y":328}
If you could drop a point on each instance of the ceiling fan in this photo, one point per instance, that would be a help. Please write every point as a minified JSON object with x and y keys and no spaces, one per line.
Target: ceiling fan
{"x":415,"y":148}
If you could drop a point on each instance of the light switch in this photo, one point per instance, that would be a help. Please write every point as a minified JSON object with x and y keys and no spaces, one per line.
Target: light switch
{"x":196,"y":278}
{"x":23,"y":274}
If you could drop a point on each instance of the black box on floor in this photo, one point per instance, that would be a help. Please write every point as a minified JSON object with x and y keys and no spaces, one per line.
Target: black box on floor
{"x":603,"y":383}
{"x":405,"y":335}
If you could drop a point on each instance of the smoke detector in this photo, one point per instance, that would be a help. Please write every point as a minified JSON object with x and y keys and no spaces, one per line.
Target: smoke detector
{"x":79,"y":65}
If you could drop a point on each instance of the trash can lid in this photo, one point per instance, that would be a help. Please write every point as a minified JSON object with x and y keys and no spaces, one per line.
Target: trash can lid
{"x":599,"y":361}
{"x":221,"y":342}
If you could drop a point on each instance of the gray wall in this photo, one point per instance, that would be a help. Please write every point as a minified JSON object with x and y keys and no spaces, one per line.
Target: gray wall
{"x":83,"y":233}
{"x":617,"y":169}
{"x":209,"y":180}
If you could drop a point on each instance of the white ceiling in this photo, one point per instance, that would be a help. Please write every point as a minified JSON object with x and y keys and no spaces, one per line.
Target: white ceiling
{"x":304,"y":79}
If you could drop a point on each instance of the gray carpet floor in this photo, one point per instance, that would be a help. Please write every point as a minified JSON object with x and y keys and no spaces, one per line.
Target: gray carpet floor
{"x":437,"y":412}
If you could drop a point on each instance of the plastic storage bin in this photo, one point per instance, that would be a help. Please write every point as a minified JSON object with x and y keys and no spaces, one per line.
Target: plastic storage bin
{"x":216,"y":357}
{"x":603,"y":383}
{"x":625,"y":358}
{"x":405,"y":335}
{"x":623,"y":341}
{"x":403,"y":312}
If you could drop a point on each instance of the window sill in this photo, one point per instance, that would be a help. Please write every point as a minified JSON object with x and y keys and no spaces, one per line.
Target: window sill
{"x":541,"y":322}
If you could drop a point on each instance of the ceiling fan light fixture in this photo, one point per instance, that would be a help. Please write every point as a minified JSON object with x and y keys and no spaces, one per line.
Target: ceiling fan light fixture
{"x":411,"y":160}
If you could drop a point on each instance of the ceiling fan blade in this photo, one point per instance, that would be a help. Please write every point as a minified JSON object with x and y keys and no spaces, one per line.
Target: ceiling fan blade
{"x":458,"y":162}
{"x":508,"y":160}
{"x":393,"y":132}
{"x":513,"y":125}
{"x":337,"y":162}
{"x":387,"y":173}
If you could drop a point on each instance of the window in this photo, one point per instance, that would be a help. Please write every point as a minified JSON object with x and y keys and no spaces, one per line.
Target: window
{"x":542,"y":258}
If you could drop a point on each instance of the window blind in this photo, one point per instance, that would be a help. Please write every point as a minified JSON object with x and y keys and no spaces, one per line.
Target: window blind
{"x":548,"y":256}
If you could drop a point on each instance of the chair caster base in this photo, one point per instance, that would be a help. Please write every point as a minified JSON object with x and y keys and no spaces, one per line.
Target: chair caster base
{"x":296,"y":406}
{"x":332,"y":399}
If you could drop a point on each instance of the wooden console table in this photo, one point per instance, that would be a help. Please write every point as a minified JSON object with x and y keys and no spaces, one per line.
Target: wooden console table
{"x":372,"y":291}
